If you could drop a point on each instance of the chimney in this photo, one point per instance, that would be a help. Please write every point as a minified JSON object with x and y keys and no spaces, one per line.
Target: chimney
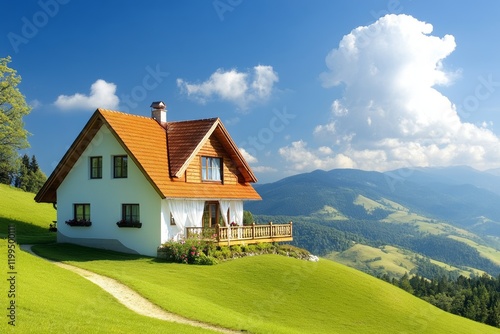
{"x":159,"y":112}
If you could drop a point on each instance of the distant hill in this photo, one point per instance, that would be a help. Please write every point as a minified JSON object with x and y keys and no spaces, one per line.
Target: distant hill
{"x":446,"y":214}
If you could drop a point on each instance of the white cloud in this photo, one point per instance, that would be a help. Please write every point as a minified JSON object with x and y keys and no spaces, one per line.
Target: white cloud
{"x":390,"y":114}
{"x":305,"y":159}
{"x":264,"y":169}
{"x":102,"y":95}
{"x":239,"y":88}
{"x":248,"y":157}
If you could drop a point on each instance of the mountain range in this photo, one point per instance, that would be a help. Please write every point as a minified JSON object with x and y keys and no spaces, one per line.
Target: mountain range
{"x":461,"y":196}
{"x":433,"y":218}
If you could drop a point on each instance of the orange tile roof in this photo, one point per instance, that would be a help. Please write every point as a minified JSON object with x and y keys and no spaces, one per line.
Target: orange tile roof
{"x":162,"y":155}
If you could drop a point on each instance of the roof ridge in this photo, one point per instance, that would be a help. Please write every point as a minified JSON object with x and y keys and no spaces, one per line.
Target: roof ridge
{"x":213,"y":119}
{"x":123,"y":113}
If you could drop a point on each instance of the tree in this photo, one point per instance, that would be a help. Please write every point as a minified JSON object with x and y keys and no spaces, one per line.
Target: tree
{"x":13,"y":107}
{"x":29,"y":177}
{"x":247,"y":218}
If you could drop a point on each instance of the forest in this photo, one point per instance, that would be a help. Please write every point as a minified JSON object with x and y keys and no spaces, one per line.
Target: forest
{"x":476,"y":298}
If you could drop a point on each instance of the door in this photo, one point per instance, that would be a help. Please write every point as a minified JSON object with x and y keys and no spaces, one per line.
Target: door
{"x":211,"y":214}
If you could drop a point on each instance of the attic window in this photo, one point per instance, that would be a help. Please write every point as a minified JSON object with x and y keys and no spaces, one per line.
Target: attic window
{"x":211,"y":169}
{"x":120,"y":166}
{"x":96,"y":167}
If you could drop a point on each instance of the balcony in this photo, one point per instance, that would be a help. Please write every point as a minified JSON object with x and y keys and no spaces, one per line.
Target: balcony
{"x":250,"y":234}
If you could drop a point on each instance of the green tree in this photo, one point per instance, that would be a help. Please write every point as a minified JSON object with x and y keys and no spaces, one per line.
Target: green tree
{"x":13,"y":107}
{"x":29,"y":176}
{"x":247,"y":218}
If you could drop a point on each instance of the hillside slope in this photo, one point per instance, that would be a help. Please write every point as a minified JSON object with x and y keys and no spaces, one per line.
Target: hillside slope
{"x":31,"y":219}
{"x":273,"y":294}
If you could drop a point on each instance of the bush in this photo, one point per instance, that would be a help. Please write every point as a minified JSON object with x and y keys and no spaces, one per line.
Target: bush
{"x":293,"y":251}
{"x":202,"y":252}
{"x":265,"y":247}
{"x":236,"y":249}
{"x":184,"y":251}
{"x":206,"y":260}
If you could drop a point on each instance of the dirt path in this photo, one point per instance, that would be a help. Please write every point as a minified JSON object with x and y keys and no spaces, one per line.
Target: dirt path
{"x":130,"y":298}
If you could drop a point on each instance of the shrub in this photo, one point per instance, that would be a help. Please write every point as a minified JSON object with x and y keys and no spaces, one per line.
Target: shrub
{"x":206,"y":260}
{"x":251,"y":249}
{"x":222,"y":253}
{"x":293,"y":251}
{"x":236,"y":249}
{"x":203,"y":252}
{"x":184,"y":251}
{"x":264,"y":247}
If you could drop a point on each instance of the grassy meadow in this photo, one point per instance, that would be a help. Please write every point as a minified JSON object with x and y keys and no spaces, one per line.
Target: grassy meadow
{"x":50,"y":299}
{"x":31,"y":219}
{"x":272,"y":294}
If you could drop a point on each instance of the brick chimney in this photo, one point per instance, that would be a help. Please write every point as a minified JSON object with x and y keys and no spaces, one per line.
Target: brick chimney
{"x":159,"y":112}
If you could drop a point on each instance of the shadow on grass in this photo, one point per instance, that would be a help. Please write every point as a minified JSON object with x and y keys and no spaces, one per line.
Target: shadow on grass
{"x":76,"y":253}
{"x":27,"y":233}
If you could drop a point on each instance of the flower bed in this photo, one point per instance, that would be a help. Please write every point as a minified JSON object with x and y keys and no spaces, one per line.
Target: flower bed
{"x":198,"y":251}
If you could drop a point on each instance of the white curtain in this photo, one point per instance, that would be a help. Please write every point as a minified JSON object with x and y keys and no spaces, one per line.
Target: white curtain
{"x":178,"y":209}
{"x":237,"y":210}
{"x":195,"y":213}
{"x":216,"y":169}
{"x":224,"y":206}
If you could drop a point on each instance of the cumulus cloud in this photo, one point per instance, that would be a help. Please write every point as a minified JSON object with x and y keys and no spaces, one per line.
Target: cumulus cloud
{"x":390,"y":114}
{"x":240,"y":88}
{"x":102,"y":95}
{"x":305,"y":159}
{"x":264,"y":169}
{"x":248,"y":157}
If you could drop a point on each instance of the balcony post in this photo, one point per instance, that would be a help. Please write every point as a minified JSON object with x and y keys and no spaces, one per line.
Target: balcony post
{"x":217,"y":232}
{"x":291,"y":228}
{"x":253,"y":230}
{"x":271,"y":229}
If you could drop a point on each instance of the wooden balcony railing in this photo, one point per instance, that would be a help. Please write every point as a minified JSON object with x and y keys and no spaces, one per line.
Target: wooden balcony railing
{"x":250,"y":234}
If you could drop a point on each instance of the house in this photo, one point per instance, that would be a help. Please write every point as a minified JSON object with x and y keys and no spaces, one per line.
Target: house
{"x":130,"y":183}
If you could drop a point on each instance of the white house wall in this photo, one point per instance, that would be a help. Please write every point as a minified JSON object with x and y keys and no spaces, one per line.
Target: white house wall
{"x":106,"y":197}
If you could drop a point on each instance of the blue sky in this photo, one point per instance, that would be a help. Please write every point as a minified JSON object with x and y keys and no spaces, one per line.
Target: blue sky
{"x":300,"y":85}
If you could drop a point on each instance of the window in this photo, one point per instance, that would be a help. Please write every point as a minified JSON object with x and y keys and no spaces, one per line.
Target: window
{"x":211,"y":216}
{"x":172,"y":220}
{"x":82,"y":212}
{"x":96,"y":167}
{"x":120,"y":166}
{"x":211,"y":169}
{"x":130,"y":213}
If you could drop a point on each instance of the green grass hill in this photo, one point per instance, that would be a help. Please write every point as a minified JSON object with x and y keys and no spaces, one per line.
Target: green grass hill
{"x":31,"y":219}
